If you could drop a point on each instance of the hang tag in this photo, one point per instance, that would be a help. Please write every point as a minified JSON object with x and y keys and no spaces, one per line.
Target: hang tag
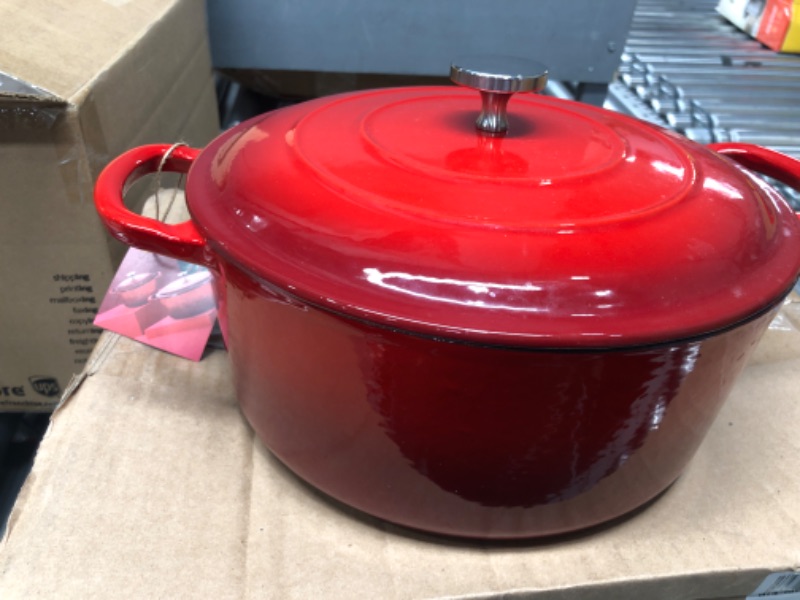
{"x":779,"y":586}
{"x":161,"y":302}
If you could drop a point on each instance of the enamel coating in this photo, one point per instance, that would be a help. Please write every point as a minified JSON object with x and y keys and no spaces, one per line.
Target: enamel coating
{"x":363,"y":360}
{"x":580,"y":227}
{"x":469,"y":440}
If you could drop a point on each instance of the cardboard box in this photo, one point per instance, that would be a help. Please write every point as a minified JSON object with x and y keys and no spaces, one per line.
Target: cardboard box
{"x":774,"y":23}
{"x":149,"y":484}
{"x":81,"y":81}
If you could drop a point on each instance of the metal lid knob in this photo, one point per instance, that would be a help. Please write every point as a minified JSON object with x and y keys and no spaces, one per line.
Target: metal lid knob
{"x":497,"y":77}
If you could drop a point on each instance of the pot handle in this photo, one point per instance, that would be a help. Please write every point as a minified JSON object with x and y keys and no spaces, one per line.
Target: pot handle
{"x":181,"y":241}
{"x":762,"y":160}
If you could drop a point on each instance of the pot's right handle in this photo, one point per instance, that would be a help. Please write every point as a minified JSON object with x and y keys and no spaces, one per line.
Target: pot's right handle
{"x":181,"y":241}
{"x":762,"y":160}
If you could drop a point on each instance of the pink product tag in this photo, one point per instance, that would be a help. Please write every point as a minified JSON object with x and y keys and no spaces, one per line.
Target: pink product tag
{"x":161,"y":302}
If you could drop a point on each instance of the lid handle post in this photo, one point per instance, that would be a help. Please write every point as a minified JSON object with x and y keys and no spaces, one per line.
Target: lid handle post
{"x":497,"y":78}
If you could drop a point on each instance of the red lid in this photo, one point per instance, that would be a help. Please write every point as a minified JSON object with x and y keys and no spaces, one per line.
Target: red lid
{"x":578,"y":227}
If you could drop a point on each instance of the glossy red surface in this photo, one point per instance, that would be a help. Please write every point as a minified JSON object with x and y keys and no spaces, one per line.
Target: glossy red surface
{"x":762,"y":160}
{"x":471,"y":440}
{"x":414,"y":318}
{"x":181,"y":241}
{"x":580,"y":227}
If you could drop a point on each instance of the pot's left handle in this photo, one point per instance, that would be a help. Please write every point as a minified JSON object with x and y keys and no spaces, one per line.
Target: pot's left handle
{"x":181,"y":241}
{"x":763,"y":160}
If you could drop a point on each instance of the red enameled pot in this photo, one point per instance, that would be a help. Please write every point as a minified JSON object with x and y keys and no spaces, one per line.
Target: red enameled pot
{"x":474,"y":331}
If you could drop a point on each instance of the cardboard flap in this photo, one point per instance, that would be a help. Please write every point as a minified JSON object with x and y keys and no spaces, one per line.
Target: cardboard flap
{"x":63,"y":44}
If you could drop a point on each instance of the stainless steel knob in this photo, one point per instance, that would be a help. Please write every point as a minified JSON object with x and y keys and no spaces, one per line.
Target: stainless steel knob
{"x":497,"y":78}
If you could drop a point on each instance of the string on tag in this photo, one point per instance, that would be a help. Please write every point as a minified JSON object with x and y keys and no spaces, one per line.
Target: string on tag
{"x":157,"y":182}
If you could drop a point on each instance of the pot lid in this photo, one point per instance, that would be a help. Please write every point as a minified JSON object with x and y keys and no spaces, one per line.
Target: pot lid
{"x":576,"y":226}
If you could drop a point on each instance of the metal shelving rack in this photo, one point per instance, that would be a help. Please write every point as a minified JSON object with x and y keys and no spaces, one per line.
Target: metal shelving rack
{"x":686,"y":68}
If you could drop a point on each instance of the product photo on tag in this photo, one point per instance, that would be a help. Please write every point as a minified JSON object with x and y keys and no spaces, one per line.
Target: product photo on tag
{"x":162,"y":302}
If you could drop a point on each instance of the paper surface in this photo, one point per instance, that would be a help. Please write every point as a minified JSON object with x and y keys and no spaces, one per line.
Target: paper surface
{"x":149,"y":484}
{"x":162,"y":302}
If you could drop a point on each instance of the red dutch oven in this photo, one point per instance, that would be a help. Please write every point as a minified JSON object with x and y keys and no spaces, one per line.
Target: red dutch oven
{"x":474,"y":330}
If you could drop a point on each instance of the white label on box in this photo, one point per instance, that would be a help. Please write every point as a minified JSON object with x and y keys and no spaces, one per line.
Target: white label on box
{"x":780,"y":586}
